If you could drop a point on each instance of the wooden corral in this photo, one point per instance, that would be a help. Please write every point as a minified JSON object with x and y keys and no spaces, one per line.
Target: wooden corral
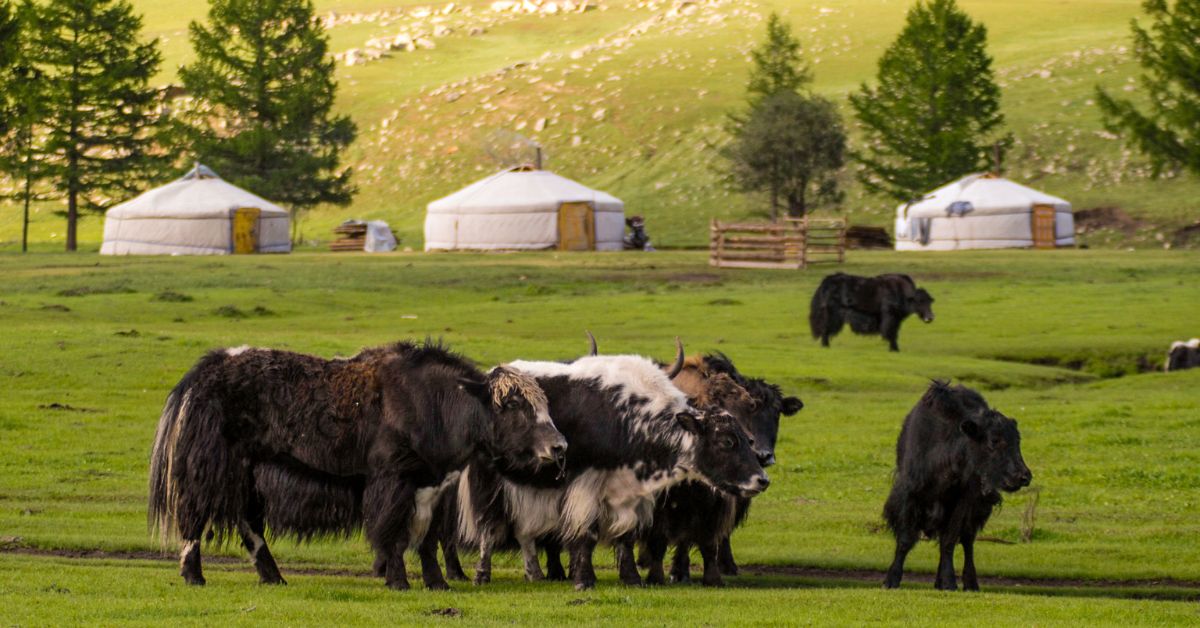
{"x":789,"y":243}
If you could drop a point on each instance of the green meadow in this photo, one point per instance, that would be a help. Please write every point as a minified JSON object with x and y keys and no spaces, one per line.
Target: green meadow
{"x":1070,"y":343}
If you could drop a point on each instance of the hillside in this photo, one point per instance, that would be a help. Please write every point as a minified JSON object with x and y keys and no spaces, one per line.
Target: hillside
{"x":627,"y":96}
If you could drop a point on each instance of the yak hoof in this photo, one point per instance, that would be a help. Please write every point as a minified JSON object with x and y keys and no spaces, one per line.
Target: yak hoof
{"x":483,"y":578}
{"x":277,"y":581}
{"x":713,"y":582}
{"x":196,"y":581}
{"x":584,"y":586}
{"x":437,"y":586}
{"x":398,"y":585}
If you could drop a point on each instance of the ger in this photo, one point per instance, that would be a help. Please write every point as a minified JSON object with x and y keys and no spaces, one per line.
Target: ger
{"x":954,"y":456}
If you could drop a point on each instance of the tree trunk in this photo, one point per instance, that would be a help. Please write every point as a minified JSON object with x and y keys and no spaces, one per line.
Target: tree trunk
{"x":25,"y":220}
{"x":774,"y":203}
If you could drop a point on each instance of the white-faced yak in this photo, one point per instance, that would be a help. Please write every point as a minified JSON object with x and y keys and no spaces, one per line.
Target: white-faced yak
{"x":954,"y":457}
{"x":255,"y":439}
{"x":872,"y":305}
{"x":1183,"y":355}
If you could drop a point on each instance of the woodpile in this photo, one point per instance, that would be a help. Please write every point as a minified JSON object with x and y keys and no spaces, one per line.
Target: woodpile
{"x":790,"y":243}
{"x":352,"y":236}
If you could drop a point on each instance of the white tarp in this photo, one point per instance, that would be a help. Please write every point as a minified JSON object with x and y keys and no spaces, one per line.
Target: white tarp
{"x":518,"y":209}
{"x":380,"y":238}
{"x":979,"y":211}
{"x":191,"y":216}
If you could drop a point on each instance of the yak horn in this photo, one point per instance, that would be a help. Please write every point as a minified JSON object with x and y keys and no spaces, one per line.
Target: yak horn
{"x":592,"y":341}
{"x":678,"y":366}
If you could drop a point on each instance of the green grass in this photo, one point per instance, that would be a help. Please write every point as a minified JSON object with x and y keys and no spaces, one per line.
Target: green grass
{"x":91,"y":346}
{"x":666,"y":93}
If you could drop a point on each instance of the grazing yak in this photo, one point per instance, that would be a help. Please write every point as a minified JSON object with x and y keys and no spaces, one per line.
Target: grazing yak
{"x":872,"y":305}
{"x":1183,"y":355}
{"x":309,"y":447}
{"x":954,"y":457}
{"x":693,"y":514}
{"x":632,"y":435}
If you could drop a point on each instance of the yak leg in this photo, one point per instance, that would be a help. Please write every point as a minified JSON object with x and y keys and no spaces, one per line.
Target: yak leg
{"x":654,"y":551}
{"x":388,"y":505}
{"x":945,"y":580}
{"x":626,"y":565}
{"x":725,"y":557}
{"x":554,"y":566}
{"x":712,"y":572}
{"x":681,"y":566}
{"x":189,"y":561}
{"x":889,"y":327}
{"x":969,"y":579}
{"x":904,"y":543}
{"x":454,"y":569}
{"x":483,"y":568}
{"x":529,"y":551}
{"x":251,"y":532}
{"x":581,"y":563}
{"x":431,"y":571}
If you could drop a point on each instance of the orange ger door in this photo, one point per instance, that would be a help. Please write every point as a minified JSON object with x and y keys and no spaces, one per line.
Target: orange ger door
{"x":576,"y":227}
{"x":245,"y":230}
{"x":1043,"y":226}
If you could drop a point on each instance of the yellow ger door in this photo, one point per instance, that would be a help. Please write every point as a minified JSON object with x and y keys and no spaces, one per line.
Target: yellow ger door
{"x":576,"y":227}
{"x":245,"y":230}
{"x":1043,"y":226}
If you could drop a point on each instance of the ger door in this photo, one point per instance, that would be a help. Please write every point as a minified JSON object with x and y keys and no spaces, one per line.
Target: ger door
{"x":245,"y":230}
{"x":576,"y":227}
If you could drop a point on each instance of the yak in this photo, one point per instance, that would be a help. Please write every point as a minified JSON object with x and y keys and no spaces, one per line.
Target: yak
{"x":257,"y":438}
{"x":872,"y":305}
{"x":1183,"y":355}
{"x":631,"y":435}
{"x":692,"y":514}
{"x":953,"y":458}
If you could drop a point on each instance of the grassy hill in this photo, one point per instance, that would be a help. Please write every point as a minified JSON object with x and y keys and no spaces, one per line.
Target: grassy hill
{"x":627,"y":96}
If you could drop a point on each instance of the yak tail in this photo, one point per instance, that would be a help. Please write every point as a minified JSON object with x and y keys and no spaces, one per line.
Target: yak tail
{"x":824,"y":314}
{"x":184,"y":414}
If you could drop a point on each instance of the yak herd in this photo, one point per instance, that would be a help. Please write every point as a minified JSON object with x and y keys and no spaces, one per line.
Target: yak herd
{"x":416,"y":447}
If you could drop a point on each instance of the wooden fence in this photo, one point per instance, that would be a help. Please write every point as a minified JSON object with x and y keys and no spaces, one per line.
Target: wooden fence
{"x":789,"y":243}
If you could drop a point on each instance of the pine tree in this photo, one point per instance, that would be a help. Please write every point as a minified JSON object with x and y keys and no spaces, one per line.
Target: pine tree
{"x":1168,"y":131}
{"x":21,"y":84}
{"x":777,"y":63}
{"x":10,"y":32}
{"x":101,"y":114}
{"x":793,"y":147}
{"x":935,"y":114}
{"x":265,"y":90}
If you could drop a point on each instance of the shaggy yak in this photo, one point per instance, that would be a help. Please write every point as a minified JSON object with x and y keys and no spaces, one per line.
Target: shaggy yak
{"x":693,"y":514}
{"x":872,"y":305}
{"x":954,"y":456}
{"x":632,"y":435}
{"x":1183,"y":355}
{"x":256,"y":438}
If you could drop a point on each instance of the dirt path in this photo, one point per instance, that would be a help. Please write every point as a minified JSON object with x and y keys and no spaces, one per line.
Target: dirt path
{"x":1148,"y":589}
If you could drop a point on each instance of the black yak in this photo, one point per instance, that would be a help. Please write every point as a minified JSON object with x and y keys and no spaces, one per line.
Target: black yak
{"x":954,"y":457}
{"x":255,"y":438}
{"x":1183,"y":355}
{"x":693,"y":514}
{"x":872,"y":305}
{"x":632,"y":435}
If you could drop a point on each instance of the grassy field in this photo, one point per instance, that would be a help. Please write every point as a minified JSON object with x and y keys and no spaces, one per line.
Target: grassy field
{"x":666,"y":82}
{"x":1063,"y":341}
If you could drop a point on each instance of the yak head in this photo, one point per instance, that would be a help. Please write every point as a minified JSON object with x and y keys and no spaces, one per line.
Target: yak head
{"x":994,"y":443}
{"x":523,"y":434}
{"x":767,"y":405}
{"x":920,"y":303}
{"x":725,"y":454}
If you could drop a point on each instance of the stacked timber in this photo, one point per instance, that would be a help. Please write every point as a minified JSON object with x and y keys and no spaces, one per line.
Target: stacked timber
{"x":351,"y":236}
{"x":863,"y":237}
{"x":790,"y":243}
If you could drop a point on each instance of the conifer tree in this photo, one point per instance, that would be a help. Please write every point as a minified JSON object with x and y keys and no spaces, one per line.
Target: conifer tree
{"x":1167,"y":130}
{"x":265,"y":89}
{"x":100,"y":114}
{"x":934,"y":113}
{"x":21,"y":87}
